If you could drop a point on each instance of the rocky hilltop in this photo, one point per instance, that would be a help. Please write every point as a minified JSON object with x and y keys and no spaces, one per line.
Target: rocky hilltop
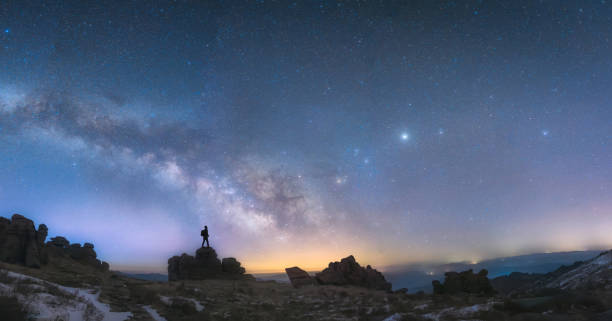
{"x":21,"y":243}
{"x":345,"y":272}
{"x":205,"y":265}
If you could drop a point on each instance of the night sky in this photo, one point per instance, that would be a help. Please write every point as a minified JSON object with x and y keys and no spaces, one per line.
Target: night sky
{"x":303,"y":132}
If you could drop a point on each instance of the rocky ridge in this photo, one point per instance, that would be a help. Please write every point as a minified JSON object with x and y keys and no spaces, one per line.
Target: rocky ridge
{"x":594,"y":273}
{"x":21,"y":243}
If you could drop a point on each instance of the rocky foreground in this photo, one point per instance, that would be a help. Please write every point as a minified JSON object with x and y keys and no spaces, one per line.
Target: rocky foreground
{"x":70,"y":284}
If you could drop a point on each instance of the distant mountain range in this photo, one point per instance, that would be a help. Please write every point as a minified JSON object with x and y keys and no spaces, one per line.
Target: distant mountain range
{"x":418,"y":277}
{"x":158,"y":277}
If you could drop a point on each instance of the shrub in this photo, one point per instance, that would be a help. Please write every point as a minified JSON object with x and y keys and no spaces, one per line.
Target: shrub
{"x":184,"y":306}
{"x":12,"y":310}
{"x":143,"y":295}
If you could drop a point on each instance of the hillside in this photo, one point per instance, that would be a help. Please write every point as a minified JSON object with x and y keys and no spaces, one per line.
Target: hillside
{"x":418,"y":277}
{"x":67,"y":287}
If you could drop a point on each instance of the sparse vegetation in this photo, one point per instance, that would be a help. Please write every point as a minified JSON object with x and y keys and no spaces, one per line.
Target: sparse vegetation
{"x":11,"y":309}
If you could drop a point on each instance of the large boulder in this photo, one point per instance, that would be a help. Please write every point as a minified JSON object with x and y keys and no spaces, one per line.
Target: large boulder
{"x":205,"y":265}
{"x":349,"y":272}
{"x":20,"y":243}
{"x":232,"y":266}
{"x":299,"y":277}
{"x":464,"y":282}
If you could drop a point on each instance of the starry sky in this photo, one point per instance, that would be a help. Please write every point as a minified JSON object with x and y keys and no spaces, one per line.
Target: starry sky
{"x":302,"y":132}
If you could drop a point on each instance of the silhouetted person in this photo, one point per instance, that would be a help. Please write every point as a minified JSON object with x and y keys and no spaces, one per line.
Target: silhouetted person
{"x":204,"y":234}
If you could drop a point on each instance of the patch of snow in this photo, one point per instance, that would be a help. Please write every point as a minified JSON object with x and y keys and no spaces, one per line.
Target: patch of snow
{"x":45,"y":306}
{"x":592,"y":271}
{"x":394,"y":317}
{"x":436,"y":316}
{"x":603,"y":259}
{"x":199,"y":307}
{"x":103,"y":307}
{"x":153,"y":313}
{"x":473,"y":309}
{"x":168,"y":301}
{"x":461,"y":313}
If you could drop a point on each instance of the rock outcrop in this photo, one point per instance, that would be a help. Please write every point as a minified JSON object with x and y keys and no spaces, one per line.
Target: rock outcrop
{"x":60,"y":247}
{"x":205,"y":265}
{"x":20,"y":242}
{"x":299,"y":277}
{"x":349,"y":272}
{"x":464,"y":282}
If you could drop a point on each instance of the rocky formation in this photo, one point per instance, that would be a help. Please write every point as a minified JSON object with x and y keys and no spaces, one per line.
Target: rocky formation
{"x":299,"y":277}
{"x":21,"y":243}
{"x":60,"y":247}
{"x":205,"y":265}
{"x":464,"y":282}
{"x":349,"y":272}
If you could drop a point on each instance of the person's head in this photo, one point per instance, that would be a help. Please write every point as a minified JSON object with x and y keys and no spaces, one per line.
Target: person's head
{"x":205,"y":227}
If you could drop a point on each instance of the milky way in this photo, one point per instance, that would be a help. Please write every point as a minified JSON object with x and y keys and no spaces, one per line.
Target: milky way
{"x":303,"y":132}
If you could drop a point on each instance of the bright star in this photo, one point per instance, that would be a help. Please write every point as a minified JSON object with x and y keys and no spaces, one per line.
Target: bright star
{"x":441,"y":131}
{"x":341,"y":180}
{"x":7,"y":30}
{"x":545,"y":132}
{"x":405,"y":136}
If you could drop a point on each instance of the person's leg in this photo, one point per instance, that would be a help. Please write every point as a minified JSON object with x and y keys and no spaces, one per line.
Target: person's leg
{"x":203,"y":239}
{"x":207,"y":244}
